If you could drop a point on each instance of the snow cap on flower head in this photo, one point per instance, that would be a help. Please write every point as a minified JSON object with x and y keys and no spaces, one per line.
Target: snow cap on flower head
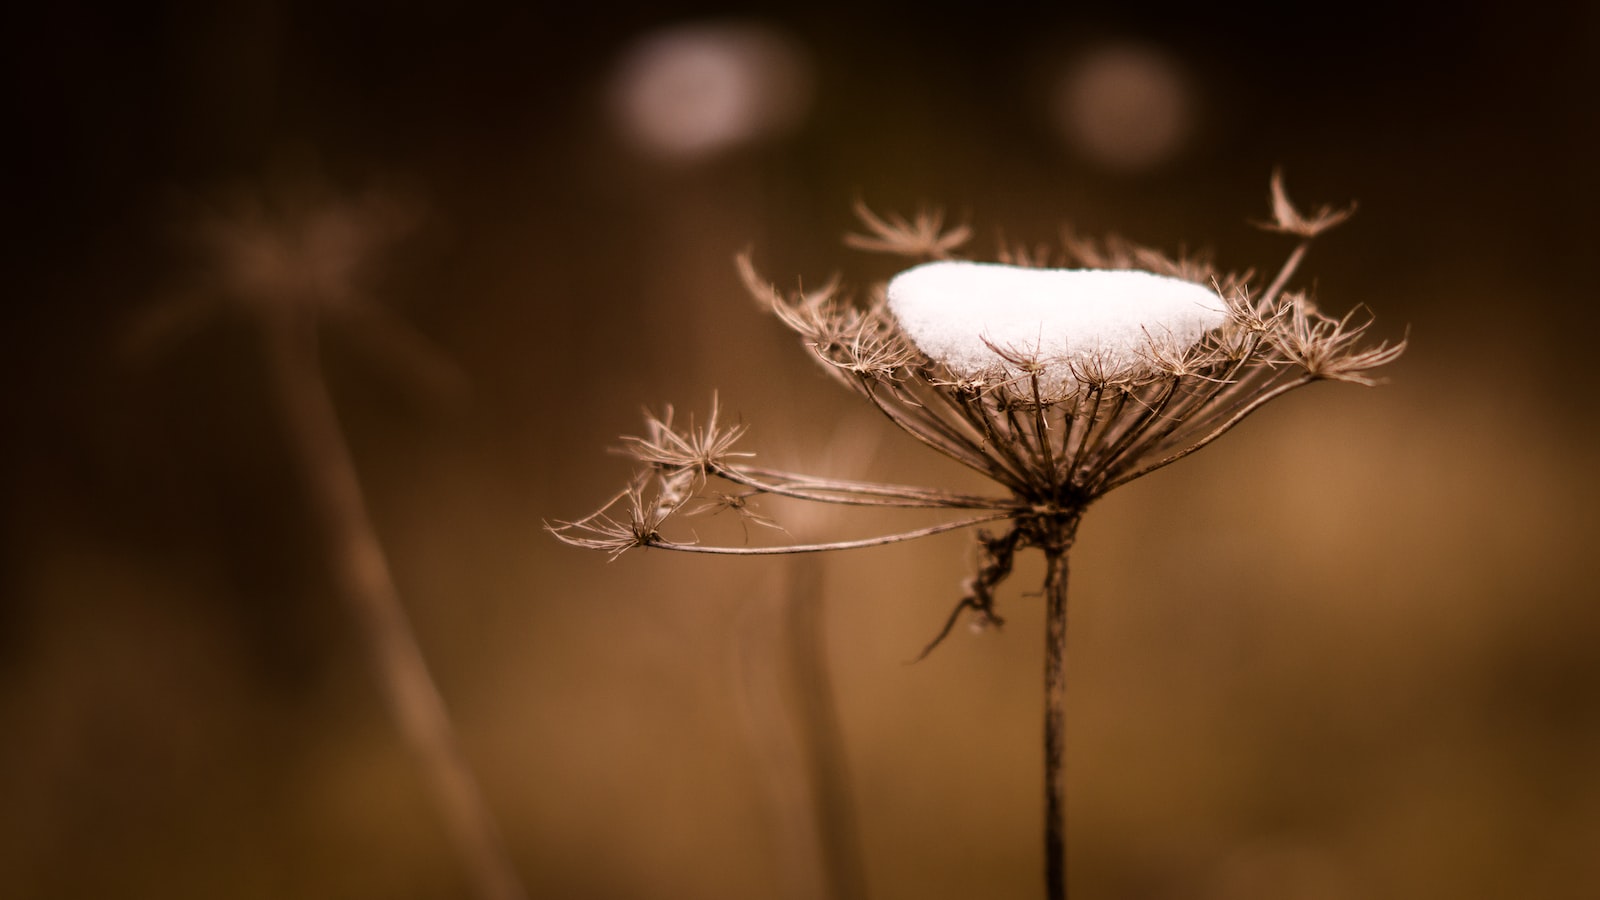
{"x":981,"y":319}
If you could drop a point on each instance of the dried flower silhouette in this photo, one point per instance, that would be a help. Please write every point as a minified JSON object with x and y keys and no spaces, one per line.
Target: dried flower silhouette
{"x":292,"y":266}
{"x":1058,"y":384}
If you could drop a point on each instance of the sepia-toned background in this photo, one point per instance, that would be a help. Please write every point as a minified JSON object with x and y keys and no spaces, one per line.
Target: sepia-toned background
{"x":1352,"y":651}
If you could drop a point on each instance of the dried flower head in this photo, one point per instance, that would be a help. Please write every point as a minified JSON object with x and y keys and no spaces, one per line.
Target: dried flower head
{"x":1058,"y":384}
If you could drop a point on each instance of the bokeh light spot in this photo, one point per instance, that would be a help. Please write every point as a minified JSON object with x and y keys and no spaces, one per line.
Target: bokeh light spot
{"x":1124,"y":106}
{"x":692,"y":91}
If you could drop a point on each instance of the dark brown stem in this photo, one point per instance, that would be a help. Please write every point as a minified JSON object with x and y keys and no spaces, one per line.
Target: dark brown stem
{"x":366,"y":584}
{"x":1055,"y":723}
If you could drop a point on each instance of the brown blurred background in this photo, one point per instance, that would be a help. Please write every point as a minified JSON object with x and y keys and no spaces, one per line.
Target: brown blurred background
{"x":1351,"y":651}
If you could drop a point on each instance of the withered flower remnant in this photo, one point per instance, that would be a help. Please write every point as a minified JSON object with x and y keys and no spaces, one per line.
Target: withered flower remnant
{"x":1058,"y":373}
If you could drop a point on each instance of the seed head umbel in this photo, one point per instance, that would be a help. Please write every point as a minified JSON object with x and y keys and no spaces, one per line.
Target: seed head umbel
{"x":1059,"y":373}
{"x":1058,"y":384}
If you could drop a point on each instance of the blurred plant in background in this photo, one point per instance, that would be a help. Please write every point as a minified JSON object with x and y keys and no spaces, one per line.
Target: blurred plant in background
{"x":1136,"y":360}
{"x":292,"y":263}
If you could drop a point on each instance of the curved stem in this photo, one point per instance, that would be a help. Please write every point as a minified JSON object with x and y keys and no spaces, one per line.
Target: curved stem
{"x":936,"y":434}
{"x":368,"y":586}
{"x":853,"y":493}
{"x":1238,"y":416}
{"x":1055,"y":724}
{"x":832,"y":545}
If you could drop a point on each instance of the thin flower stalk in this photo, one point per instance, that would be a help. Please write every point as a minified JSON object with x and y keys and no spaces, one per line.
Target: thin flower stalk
{"x":290,"y":263}
{"x":1059,"y":385}
{"x":367,"y":583}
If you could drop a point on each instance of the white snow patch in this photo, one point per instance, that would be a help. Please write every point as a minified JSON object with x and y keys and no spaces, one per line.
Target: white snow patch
{"x":1063,"y":318}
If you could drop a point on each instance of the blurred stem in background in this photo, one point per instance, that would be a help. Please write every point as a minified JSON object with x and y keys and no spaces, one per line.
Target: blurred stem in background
{"x":793,"y":727}
{"x":365,"y":581}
